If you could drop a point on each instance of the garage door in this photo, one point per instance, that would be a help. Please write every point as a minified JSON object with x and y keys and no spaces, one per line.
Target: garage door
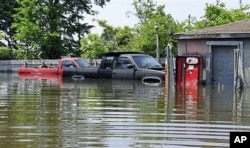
{"x":223,"y":65}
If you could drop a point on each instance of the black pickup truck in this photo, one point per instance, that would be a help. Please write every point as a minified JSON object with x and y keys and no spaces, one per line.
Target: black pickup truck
{"x":121,"y":65}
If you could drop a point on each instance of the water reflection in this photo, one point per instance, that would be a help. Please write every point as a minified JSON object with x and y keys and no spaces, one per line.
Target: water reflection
{"x":114,"y":113}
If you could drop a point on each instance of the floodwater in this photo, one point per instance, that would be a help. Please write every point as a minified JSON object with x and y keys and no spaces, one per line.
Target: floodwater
{"x":115,"y":113}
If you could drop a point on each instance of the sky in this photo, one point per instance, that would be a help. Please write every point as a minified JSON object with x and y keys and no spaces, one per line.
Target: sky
{"x":115,"y":12}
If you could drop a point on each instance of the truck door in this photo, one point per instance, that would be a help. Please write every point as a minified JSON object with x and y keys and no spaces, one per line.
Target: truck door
{"x":105,"y":69}
{"x":123,"y":69}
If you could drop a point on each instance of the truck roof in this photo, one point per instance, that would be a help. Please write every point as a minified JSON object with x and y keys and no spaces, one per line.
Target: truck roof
{"x":70,"y":58}
{"x":118,"y":53}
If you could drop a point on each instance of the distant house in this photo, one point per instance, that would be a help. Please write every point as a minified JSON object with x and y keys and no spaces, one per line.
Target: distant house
{"x":225,"y":50}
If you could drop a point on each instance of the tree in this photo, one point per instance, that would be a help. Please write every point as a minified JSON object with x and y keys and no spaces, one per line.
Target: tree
{"x":124,"y":38}
{"x":215,"y":14}
{"x":116,"y":38}
{"x":108,"y":35}
{"x":54,"y":27}
{"x":6,"y":20}
{"x":112,"y":39}
{"x":92,"y":47}
{"x":5,"y":52}
{"x":218,"y":15}
{"x":150,"y":14}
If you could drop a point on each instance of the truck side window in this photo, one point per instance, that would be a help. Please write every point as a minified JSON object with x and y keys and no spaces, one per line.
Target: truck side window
{"x":108,"y":62}
{"x":121,"y":63}
{"x":68,"y":63}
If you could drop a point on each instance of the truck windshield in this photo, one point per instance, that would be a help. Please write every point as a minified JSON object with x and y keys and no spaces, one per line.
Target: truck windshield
{"x":82,"y":63}
{"x":145,"y":61}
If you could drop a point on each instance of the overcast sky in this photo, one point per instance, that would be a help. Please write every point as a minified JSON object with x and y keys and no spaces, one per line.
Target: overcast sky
{"x":115,"y":12}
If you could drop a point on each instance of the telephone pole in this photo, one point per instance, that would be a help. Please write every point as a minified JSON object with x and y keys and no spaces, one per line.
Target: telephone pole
{"x":157,"y":42}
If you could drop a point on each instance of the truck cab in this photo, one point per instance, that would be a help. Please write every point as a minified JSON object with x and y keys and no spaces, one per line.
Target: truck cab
{"x":72,"y":66}
{"x":131,"y":65}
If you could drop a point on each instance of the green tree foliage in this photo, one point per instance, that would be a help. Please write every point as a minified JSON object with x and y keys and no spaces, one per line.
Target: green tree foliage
{"x":111,"y":39}
{"x":108,"y":35}
{"x":57,"y":27}
{"x":124,"y":38}
{"x":116,"y":38}
{"x":92,"y":47}
{"x":5,"y":52}
{"x":218,"y":14}
{"x":142,"y":37}
{"x":150,"y":15}
{"x":6,"y":20}
{"x":54,"y":27}
{"x":28,"y":32}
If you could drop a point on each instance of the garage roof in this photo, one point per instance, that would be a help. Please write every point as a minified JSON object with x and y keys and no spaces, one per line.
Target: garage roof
{"x":239,"y":29}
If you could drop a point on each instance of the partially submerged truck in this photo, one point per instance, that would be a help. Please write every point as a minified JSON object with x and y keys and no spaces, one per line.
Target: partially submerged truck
{"x":114,"y":65}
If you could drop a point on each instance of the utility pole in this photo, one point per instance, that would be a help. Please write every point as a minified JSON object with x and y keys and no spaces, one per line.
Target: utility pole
{"x":157,"y":42}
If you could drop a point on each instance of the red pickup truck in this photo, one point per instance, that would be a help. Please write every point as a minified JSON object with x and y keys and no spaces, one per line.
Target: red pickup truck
{"x":65,"y":63}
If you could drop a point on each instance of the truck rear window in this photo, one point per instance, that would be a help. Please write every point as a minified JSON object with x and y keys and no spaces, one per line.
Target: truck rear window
{"x":82,"y":63}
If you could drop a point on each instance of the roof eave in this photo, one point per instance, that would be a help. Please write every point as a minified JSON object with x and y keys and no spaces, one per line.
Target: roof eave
{"x":211,"y":36}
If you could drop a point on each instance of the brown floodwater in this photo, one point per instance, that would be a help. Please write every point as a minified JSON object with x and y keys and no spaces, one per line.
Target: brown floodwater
{"x":117,"y":113}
